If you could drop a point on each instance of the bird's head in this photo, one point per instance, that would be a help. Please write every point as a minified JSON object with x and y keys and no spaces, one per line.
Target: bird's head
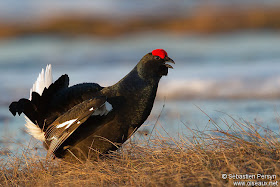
{"x":154,"y":64}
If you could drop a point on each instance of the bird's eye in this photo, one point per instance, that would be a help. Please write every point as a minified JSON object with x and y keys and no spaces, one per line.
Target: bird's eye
{"x":157,"y":57}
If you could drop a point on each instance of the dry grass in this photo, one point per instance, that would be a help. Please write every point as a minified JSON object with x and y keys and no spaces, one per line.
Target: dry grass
{"x":197,"y":161}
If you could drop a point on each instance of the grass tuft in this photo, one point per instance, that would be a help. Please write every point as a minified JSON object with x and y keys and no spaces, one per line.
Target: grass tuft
{"x":158,"y":161}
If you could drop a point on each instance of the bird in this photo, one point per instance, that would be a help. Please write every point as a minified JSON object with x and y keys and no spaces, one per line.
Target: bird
{"x":83,"y":121}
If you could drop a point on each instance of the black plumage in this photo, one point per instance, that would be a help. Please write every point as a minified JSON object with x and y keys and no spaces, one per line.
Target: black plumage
{"x":74,"y":120}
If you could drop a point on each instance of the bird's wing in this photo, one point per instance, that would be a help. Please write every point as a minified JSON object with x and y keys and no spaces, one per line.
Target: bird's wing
{"x":66,"y":124}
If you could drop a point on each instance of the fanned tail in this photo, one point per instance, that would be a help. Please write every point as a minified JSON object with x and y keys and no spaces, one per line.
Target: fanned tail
{"x":43,"y":81}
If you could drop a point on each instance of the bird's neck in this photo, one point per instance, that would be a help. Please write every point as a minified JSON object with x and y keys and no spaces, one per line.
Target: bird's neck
{"x":138,"y":95}
{"x":134,"y":82}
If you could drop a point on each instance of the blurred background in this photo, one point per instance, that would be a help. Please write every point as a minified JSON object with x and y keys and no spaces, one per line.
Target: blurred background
{"x":227,"y":56}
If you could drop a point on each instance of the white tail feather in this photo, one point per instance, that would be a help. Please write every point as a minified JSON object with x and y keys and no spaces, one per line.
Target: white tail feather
{"x":43,"y":81}
{"x":34,"y":130}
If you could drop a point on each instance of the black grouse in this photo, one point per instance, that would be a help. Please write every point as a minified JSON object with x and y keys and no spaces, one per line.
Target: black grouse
{"x":85,"y":120}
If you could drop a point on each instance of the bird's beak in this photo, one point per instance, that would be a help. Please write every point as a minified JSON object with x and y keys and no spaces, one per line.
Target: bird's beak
{"x":167,"y":59}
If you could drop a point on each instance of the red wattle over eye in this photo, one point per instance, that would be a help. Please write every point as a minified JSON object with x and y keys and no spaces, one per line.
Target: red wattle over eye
{"x":159,"y":52}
